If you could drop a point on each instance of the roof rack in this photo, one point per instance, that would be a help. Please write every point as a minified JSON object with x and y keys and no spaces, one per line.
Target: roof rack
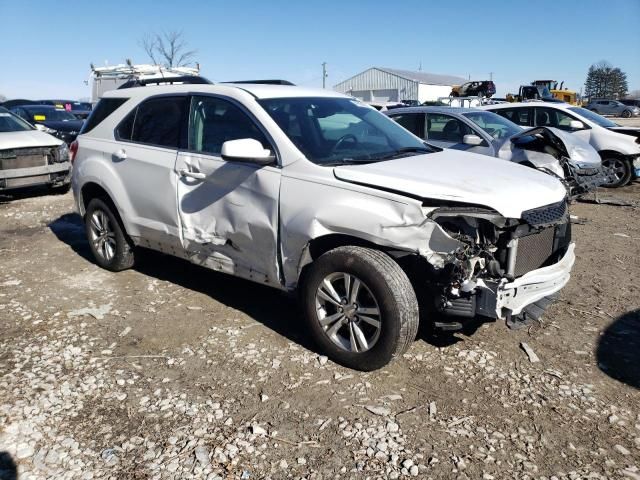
{"x":184,"y":80}
{"x":265,"y":82}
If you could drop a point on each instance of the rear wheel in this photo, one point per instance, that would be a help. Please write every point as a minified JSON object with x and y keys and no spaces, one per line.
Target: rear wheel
{"x":360,"y":307}
{"x":110,"y":245}
{"x":626,"y":114}
{"x":620,"y":170}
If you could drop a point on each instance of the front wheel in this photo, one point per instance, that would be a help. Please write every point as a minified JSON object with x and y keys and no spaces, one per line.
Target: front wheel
{"x":621,"y":170}
{"x":360,"y":307}
{"x":626,"y":114}
{"x":110,"y":245}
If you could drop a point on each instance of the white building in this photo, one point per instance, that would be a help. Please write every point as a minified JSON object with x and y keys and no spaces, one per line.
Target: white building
{"x":379,"y":84}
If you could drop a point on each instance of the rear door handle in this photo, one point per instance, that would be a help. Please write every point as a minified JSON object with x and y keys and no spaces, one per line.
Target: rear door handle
{"x":190,"y":174}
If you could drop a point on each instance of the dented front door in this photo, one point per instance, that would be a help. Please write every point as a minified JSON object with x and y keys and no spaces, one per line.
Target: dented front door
{"x":228,"y":210}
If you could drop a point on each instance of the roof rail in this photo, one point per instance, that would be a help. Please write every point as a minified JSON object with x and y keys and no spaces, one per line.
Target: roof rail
{"x":265,"y":82}
{"x":185,"y":80}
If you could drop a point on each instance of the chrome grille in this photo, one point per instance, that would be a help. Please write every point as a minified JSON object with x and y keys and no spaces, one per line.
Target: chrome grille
{"x":534,"y":250}
{"x":545,"y":215}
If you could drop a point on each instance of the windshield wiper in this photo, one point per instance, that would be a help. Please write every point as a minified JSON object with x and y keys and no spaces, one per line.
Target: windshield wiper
{"x":403,"y":151}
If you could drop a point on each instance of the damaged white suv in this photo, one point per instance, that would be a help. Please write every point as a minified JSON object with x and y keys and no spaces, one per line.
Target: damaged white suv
{"x":313,"y":191}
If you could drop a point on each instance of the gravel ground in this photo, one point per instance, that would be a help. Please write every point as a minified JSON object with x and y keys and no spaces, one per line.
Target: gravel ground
{"x":172,"y":371}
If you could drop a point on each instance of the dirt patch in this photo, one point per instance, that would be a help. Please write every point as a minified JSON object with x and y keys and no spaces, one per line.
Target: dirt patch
{"x":192,"y":374}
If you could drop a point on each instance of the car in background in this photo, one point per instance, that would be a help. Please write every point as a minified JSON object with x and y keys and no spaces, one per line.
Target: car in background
{"x":80,"y":109}
{"x":472,"y":130}
{"x":30,"y":157}
{"x":484,"y":88}
{"x":56,"y":121}
{"x":619,"y":151}
{"x":613,"y":107}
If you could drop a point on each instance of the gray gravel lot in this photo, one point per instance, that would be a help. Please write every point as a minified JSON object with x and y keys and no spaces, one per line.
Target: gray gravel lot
{"x":172,"y":371}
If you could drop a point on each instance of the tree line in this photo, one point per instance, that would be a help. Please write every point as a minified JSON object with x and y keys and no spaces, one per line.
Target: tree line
{"x":605,"y":81}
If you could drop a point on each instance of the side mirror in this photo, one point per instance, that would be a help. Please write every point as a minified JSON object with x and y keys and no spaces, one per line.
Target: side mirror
{"x":576,"y":125}
{"x":40,"y":127}
{"x":473,"y":140}
{"x":246,"y":150}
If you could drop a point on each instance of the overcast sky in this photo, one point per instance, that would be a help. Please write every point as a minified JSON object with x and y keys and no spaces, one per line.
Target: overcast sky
{"x":46,"y":47}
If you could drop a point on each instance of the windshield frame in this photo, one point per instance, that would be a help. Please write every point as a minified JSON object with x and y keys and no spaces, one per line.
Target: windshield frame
{"x":376,"y":137}
{"x":593,"y":117}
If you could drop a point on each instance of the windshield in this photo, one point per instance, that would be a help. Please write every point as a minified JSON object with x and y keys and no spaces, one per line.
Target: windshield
{"x":493,"y":124}
{"x":341,"y":130}
{"x":11,"y":123}
{"x":50,"y":115}
{"x":594,"y":117}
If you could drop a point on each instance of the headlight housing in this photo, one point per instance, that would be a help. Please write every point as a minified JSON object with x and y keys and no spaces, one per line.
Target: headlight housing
{"x":61,"y":153}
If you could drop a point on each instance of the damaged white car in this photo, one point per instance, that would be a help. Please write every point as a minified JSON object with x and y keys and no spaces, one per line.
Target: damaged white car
{"x":312,"y":191}
{"x":547,"y":149}
{"x":29,"y":157}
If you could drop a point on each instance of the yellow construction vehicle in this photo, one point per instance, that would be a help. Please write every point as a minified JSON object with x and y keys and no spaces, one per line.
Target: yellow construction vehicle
{"x":564,"y":95}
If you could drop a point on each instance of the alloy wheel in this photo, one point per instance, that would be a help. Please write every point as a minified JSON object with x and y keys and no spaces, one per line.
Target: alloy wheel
{"x":616,"y":168}
{"x":102,"y":235}
{"x":348,"y":312}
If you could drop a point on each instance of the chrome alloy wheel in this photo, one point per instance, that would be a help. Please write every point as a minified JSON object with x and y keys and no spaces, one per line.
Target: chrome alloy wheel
{"x":348,"y":312}
{"x":617,"y":168}
{"x":102,"y":235}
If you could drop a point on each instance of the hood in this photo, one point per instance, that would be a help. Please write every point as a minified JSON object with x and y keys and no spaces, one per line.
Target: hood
{"x":579,"y":152}
{"x":27,"y":139}
{"x":461,"y":177}
{"x":64,"y":126}
{"x":633,"y":131}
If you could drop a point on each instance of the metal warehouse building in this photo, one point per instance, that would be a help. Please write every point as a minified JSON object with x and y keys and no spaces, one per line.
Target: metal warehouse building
{"x":378,"y":84}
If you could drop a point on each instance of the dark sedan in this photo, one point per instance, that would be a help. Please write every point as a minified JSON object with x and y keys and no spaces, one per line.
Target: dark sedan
{"x":56,"y":121}
{"x":80,"y":109}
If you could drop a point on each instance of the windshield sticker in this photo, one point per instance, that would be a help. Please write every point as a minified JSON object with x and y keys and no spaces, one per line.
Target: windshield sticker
{"x":39,"y":118}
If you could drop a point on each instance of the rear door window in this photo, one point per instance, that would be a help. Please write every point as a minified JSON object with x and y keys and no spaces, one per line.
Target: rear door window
{"x":159,"y":121}
{"x":414,"y":122}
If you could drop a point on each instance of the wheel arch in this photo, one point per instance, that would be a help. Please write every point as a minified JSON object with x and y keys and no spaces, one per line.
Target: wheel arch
{"x":91,"y":190}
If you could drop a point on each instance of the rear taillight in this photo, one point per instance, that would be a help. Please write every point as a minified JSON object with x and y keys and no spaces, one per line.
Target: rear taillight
{"x":73,"y":150}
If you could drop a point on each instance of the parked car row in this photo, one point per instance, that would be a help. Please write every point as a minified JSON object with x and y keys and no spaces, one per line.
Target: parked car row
{"x":314,"y":192}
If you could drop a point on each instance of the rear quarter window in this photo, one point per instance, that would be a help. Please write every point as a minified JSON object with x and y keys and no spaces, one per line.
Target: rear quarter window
{"x":104,"y":108}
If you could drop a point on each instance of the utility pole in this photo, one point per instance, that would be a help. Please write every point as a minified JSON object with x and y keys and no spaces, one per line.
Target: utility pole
{"x":324,"y":74}
{"x":491,"y":76}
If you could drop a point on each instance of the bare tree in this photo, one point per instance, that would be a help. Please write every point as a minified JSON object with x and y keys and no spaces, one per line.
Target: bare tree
{"x":169,"y":49}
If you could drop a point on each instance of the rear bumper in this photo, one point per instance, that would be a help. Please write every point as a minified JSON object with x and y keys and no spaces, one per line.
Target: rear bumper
{"x":513,"y":297}
{"x":636,"y":166}
{"x":55,"y":173}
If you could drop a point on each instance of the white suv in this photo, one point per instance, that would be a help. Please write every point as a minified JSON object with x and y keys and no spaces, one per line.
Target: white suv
{"x":314,"y":191}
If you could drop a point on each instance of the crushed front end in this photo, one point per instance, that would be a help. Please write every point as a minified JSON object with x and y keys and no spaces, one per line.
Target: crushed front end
{"x":25,"y":167}
{"x":502,"y":268}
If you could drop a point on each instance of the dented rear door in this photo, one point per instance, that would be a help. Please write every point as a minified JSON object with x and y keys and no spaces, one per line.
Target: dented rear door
{"x":228,"y":210}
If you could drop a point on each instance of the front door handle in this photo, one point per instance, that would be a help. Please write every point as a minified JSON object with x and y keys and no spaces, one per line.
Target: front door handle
{"x":189,"y":173}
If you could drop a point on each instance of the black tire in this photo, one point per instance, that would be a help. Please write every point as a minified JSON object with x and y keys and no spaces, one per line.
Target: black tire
{"x":392,"y":291}
{"x":595,"y":111}
{"x":626,"y":114}
{"x":624,"y":168}
{"x":123,"y":252}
